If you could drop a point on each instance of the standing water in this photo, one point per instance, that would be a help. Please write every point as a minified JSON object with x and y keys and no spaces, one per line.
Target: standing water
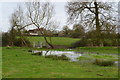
{"x":72,"y":55}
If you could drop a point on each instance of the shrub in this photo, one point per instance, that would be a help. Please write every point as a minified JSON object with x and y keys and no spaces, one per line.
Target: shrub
{"x":18,"y":42}
{"x":55,"y":57}
{"x":50,"y":56}
{"x":101,"y":62}
{"x":8,"y":47}
{"x":22,"y":42}
{"x":5,"y":39}
{"x":8,"y":39}
{"x":63,"y":57}
{"x":29,"y":50}
{"x":38,"y":53}
{"x":80,"y":43}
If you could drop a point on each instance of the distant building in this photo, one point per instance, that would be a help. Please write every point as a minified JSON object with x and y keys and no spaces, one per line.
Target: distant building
{"x":35,"y":32}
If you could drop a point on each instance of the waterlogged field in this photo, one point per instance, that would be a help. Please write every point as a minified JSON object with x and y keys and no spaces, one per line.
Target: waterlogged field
{"x":19,"y":63}
{"x":101,"y":50}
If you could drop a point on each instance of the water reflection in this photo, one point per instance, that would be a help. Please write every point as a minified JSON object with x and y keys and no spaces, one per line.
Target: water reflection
{"x":72,"y":55}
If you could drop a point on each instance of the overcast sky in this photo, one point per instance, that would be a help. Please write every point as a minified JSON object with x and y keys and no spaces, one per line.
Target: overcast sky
{"x":7,"y":8}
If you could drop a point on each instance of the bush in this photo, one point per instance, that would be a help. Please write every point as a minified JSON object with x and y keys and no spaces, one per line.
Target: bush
{"x":5,"y":39}
{"x":17,"y":42}
{"x":80,"y":43}
{"x":38,"y":53}
{"x":50,"y":56}
{"x":22,"y":42}
{"x":75,"y":34}
{"x":55,"y":57}
{"x":63,"y":57}
{"x":101,"y":62}
{"x":8,"y":47}
{"x":29,"y":50}
{"x":8,"y":39}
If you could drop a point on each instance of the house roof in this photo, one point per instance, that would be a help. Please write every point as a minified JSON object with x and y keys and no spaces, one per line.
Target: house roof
{"x":34,"y":30}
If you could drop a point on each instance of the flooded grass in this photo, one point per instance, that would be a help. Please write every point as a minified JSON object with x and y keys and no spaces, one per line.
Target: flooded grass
{"x":71,"y":55}
{"x":101,"y":50}
{"x":77,"y":56}
{"x":19,"y":63}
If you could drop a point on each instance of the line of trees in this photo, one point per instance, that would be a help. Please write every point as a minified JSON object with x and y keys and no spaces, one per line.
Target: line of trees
{"x":37,"y":14}
{"x":98,"y":17}
{"x":93,"y":22}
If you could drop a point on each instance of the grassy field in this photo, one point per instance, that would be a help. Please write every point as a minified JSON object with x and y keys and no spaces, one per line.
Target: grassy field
{"x":19,"y":63}
{"x":101,"y":50}
{"x":55,"y":40}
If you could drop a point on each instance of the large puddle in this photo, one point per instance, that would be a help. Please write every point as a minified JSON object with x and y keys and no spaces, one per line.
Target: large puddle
{"x":72,"y":55}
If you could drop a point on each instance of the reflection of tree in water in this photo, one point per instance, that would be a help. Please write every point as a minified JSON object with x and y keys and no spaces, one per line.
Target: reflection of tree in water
{"x":46,"y":52}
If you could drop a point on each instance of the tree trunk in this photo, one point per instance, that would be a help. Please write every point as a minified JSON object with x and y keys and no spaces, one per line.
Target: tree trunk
{"x":48,"y":42}
{"x":98,"y":29}
{"x":22,"y":39}
{"x":46,"y":39}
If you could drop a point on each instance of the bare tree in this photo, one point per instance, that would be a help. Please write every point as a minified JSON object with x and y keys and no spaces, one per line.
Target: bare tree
{"x":66,"y":30}
{"x":91,"y":14}
{"x":40,"y":14}
{"x":52,"y":28}
{"x":18,"y":22}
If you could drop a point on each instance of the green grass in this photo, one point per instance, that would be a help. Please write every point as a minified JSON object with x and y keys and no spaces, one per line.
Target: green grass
{"x":55,"y":40}
{"x":18,"y":63}
{"x":99,"y":56}
{"x":101,"y":50}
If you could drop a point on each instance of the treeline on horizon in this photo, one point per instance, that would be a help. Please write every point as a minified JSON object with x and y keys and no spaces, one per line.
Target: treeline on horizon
{"x":94,"y":24}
